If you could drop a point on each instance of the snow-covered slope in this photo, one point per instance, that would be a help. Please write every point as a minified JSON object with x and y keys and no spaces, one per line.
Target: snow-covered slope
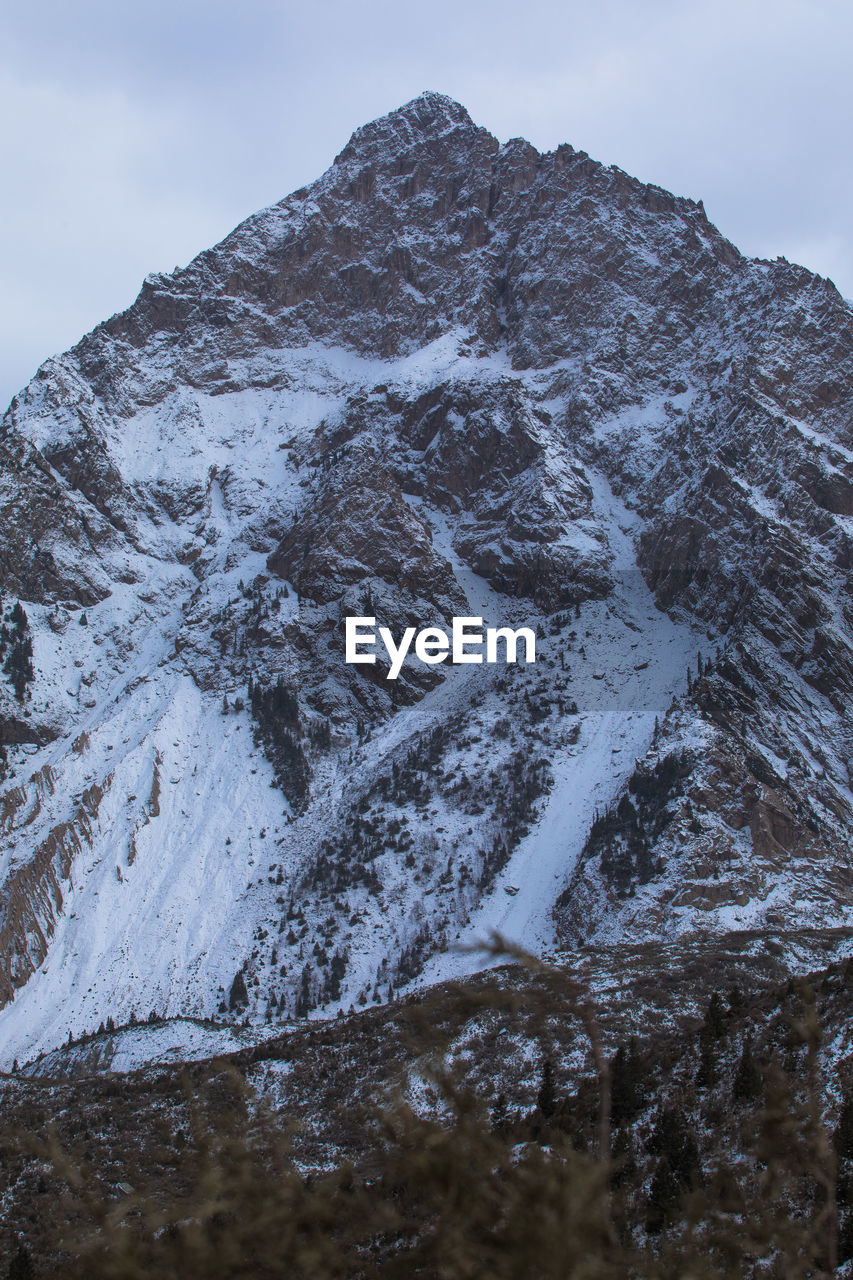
{"x":451,"y":377}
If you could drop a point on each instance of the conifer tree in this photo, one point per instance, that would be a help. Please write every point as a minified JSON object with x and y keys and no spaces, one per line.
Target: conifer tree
{"x":546,"y":1098}
{"x":21,"y":1266}
{"x":678,"y":1167}
{"x":736,"y":1002}
{"x":715,"y":1018}
{"x":499,"y":1114}
{"x":842,"y":1138}
{"x":238,"y":996}
{"x":626,"y":1090}
{"x":623,"y":1158}
{"x":747,"y":1081}
{"x":663,"y":1196}
{"x":706,"y":1075}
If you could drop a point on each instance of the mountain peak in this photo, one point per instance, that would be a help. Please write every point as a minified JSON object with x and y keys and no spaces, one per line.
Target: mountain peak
{"x":429,"y":115}
{"x":431,"y":108}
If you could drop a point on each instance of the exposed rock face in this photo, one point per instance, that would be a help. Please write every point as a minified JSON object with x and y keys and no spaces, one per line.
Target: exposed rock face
{"x":361,"y":526}
{"x":451,"y":377}
{"x":52,"y":546}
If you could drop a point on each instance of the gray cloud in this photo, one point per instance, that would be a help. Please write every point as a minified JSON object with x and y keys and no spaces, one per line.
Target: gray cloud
{"x":134,"y":136}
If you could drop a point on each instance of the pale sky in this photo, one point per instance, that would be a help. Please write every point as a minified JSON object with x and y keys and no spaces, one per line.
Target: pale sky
{"x":134,"y":135}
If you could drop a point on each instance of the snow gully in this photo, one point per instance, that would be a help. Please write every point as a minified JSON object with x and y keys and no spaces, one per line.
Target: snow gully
{"x":432,"y":644}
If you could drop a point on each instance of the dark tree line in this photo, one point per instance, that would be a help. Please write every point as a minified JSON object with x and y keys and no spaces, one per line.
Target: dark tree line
{"x":623,"y":837}
{"x":516,"y":785}
{"x":16,"y":649}
{"x":275,"y":709}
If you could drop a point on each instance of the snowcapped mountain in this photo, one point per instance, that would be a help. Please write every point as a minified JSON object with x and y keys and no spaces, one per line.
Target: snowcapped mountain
{"x":451,"y":377}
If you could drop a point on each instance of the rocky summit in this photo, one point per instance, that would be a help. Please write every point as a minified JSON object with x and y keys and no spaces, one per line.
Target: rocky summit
{"x":451,"y":378}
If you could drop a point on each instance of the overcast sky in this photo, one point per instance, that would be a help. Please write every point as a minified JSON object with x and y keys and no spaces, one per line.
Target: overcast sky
{"x":134,"y":135}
